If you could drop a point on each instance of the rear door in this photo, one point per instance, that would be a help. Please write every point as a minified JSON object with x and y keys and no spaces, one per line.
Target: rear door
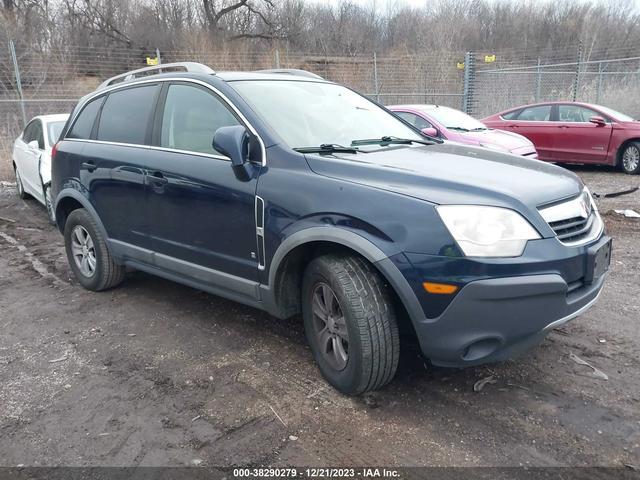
{"x":577,"y":139}
{"x":202,"y":211}
{"x":535,"y":123}
{"x":114,"y":163}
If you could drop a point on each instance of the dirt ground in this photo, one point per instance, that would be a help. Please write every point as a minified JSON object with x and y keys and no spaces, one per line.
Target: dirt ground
{"x":154,"y":373}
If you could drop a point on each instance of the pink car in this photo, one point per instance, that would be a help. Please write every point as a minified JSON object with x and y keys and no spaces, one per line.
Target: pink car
{"x":451,"y":124}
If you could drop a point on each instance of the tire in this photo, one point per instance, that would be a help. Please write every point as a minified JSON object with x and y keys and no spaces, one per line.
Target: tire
{"x":48,"y":203}
{"x":362,"y":323}
{"x":630,"y":158}
{"x":21,"y":193}
{"x":100,"y":273}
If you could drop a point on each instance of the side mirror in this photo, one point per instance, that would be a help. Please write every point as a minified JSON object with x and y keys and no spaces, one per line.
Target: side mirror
{"x":599,"y":121}
{"x":33,"y":145}
{"x":430,"y":131}
{"x":233,"y":142}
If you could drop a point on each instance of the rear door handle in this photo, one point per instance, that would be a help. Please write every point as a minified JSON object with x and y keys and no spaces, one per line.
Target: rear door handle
{"x":563,"y":126}
{"x":90,"y":166}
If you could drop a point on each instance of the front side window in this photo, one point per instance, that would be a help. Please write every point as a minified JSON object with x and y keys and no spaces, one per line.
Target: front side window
{"x":39,"y":135}
{"x":309,"y":114}
{"x":191,"y":117}
{"x":29,"y":132}
{"x":575,"y":113}
{"x":540,"y":113}
{"x":125,"y":115}
{"x":83,"y":125}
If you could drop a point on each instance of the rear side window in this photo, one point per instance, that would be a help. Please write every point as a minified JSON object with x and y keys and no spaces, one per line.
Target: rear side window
{"x":510,"y":115}
{"x":84,"y":123}
{"x":540,"y":113}
{"x":191,"y":117}
{"x":414,"y":120}
{"x":125,"y":115}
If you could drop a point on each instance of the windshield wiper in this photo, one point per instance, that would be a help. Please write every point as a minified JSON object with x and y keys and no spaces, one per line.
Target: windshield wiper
{"x":459,"y":129}
{"x":479,"y":129}
{"x":387,"y":140}
{"x":327,"y":148}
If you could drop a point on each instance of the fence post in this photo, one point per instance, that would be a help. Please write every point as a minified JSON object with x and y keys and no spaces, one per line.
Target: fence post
{"x":576,"y":80}
{"x":16,"y":71}
{"x":375,"y":77}
{"x":538,"y":82}
{"x":469,"y":80}
{"x":599,"y":88}
{"x":158,"y":56}
{"x":277,"y":58}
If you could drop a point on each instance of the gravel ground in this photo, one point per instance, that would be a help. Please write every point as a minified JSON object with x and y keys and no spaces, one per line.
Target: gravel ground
{"x":154,"y":373}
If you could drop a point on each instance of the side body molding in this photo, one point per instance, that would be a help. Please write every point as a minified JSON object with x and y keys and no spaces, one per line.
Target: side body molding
{"x":355,"y":242}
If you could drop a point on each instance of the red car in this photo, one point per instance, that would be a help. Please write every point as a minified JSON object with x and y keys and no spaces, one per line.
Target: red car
{"x":575,"y":132}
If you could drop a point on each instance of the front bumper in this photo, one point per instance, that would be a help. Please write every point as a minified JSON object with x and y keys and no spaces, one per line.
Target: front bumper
{"x":495,"y":317}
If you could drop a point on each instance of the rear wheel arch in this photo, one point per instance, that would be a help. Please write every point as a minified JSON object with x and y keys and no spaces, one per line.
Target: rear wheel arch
{"x":69,"y":200}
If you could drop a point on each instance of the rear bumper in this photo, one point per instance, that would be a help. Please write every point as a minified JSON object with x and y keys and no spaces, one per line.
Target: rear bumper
{"x":503,"y":307}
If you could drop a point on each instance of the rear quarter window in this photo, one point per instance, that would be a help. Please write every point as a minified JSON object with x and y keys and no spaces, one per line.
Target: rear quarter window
{"x":83,"y":125}
{"x":126,"y":113}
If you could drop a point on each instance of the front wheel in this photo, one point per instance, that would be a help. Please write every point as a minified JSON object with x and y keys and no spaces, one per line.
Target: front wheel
{"x":350,"y":323}
{"x":630,"y":159}
{"x":21,"y":193}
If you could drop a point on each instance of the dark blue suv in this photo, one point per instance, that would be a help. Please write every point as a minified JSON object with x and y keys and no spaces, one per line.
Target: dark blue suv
{"x":292,"y":194}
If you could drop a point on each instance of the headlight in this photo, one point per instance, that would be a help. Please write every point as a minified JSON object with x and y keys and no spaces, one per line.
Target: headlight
{"x":487,"y":231}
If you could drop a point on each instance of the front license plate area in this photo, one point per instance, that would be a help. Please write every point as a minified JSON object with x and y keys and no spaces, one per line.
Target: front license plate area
{"x":598,"y":261}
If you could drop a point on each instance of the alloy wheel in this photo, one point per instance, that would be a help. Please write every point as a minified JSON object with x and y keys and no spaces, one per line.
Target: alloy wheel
{"x":330,"y":327}
{"x":631,"y":158}
{"x":19,"y":182}
{"x":83,"y":250}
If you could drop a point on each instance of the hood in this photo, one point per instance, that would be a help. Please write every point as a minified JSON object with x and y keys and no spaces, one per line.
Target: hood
{"x":450,"y":173}
{"x":508,"y":140}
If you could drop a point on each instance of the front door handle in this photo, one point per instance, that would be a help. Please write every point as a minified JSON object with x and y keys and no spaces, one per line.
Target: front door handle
{"x":90,"y":166}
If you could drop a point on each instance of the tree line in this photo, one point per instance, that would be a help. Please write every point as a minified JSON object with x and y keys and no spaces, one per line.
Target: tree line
{"x":332,"y":28}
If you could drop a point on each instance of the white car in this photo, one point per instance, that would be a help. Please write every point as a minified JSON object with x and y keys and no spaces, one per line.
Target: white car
{"x":32,"y":158}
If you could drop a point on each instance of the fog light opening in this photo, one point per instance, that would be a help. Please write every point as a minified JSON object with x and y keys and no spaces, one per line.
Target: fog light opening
{"x":480,"y":349}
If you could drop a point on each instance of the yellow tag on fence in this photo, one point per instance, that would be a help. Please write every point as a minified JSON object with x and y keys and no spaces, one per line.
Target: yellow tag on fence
{"x":489,"y":58}
{"x":152,"y":61}
{"x":460,"y":65}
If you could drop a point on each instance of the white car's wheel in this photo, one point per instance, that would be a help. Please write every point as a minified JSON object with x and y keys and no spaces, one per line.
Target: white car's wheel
{"x":21,"y":193}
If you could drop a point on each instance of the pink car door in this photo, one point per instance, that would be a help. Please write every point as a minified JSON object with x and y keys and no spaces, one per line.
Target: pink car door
{"x":579,"y":140}
{"x":535,"y":123}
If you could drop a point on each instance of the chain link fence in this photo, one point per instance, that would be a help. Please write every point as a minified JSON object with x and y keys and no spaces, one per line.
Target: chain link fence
{"x":613,"y":82}
{"x":51,"y":80}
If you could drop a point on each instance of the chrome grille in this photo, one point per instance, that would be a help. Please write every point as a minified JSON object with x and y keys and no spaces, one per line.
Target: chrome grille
{"x":574,"y":221}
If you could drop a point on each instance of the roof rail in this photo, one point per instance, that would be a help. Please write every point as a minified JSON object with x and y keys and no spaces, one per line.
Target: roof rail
{"x":292,"y":71}
{"x":157,"y":69}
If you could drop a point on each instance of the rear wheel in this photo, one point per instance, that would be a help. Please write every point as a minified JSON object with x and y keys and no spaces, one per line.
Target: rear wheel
{"x":49,"y":204}
{"x":21,"y":193}
{"x":630,"y":158}
{"x":350,"y":323}
{"x":87,"y":253}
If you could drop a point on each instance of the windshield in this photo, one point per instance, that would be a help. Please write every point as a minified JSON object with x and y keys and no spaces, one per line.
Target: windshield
{"x":309,"y":114}
{"x":455,"y":119}
{"x":616,"y":115}
{"x":54,"y":129}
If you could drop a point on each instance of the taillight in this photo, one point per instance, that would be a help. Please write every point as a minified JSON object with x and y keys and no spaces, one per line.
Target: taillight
{"x":54,"y":150}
